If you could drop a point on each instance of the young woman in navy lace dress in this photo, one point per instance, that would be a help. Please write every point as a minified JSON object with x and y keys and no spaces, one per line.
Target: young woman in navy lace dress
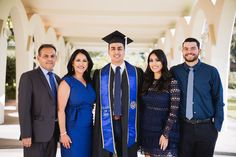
{"x":160,"y":104}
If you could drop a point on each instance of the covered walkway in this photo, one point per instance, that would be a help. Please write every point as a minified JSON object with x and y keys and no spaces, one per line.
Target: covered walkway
{"x":11,"y":147}
{"x":81,"y":24}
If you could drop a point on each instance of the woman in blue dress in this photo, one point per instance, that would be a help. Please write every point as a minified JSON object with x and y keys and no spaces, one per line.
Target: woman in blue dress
{"x":160,"y":103}
{"x":75,"y":103}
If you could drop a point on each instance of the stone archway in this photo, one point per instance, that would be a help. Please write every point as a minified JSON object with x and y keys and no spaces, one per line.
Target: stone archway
{"x":180,"y":33}
{"x":19,"y":21}
{"x":199,"y":30}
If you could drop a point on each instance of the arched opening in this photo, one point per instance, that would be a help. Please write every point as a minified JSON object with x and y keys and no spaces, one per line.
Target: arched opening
{"x":232,"y":76}
{"x":10,"y":81}
{"x":34,"y":54}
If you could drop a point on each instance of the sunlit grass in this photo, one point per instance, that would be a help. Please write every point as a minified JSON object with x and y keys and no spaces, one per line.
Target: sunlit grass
{"x":231,"y":107}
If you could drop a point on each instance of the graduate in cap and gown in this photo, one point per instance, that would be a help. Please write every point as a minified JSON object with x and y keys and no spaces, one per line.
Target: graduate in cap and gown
{"x":117,"y":86}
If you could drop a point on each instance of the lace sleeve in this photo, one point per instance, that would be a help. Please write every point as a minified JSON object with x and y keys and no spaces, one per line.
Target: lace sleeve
{"x":174,"y":107}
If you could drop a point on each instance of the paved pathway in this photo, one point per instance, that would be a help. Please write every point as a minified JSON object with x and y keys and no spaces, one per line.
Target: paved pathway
{"x":11,"y":147}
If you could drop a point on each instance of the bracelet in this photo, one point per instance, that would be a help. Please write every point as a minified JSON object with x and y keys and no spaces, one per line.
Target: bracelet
{"x":64,"y":133}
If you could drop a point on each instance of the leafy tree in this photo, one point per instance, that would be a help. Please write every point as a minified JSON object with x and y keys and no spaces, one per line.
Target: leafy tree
{"x":10,"y":85}
{"x":233,"y":49}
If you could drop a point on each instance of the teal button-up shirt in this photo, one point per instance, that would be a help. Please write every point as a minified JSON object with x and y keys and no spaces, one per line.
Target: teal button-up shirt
{"x":207,"y":92}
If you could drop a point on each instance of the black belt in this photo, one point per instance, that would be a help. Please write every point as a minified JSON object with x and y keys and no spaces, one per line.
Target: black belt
{"x":197,"y":121}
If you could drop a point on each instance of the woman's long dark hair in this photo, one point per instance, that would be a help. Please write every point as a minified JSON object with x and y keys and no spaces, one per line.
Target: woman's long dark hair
{"x":149,"y":75}
{"x":71,"y":70}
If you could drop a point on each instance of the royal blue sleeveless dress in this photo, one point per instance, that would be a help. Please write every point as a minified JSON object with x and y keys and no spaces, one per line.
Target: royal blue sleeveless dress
{"x":79,"y":118}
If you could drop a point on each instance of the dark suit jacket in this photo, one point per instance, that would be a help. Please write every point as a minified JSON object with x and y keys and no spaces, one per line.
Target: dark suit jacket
{"x":36,"y":107}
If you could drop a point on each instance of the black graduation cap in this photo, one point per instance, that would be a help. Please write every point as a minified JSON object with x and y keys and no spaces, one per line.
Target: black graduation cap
{"x":117,"y":37}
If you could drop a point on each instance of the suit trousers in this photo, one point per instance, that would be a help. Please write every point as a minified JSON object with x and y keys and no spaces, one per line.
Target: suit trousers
{"x":43,"y":149}
{"x":197,"y":140}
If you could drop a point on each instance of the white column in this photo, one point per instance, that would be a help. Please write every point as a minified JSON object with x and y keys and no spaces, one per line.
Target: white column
{"x":221,"y":51}
{"x":3,"y":55}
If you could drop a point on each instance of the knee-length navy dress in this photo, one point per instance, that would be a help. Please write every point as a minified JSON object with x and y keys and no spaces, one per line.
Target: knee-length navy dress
{"x":159,"y":117}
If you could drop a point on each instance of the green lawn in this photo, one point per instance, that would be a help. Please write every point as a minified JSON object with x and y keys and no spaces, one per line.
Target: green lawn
{"x":231,"y":108}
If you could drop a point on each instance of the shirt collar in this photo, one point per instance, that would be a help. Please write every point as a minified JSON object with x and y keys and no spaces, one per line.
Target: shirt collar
{"x":45,"y":72}
{"x":195,"y":67}
{"x":122,"y":67}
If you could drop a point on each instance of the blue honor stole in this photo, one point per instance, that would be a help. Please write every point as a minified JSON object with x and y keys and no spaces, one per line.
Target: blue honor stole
{"x":106,"y":112}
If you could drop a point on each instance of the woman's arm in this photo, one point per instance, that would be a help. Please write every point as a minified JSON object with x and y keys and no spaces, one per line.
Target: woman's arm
{"x":62,"y":97}
{"x":172,"y":117}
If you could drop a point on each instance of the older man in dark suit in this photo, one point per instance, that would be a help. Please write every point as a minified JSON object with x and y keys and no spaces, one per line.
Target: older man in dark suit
{"x":38,"y":106}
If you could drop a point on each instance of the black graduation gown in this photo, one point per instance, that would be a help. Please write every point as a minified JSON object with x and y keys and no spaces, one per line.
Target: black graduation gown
{"x":97,"y":149}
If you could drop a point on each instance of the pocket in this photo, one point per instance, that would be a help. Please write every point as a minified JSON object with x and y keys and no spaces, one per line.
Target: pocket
{"x":214,"y":129}
{"x":38,"y":117}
